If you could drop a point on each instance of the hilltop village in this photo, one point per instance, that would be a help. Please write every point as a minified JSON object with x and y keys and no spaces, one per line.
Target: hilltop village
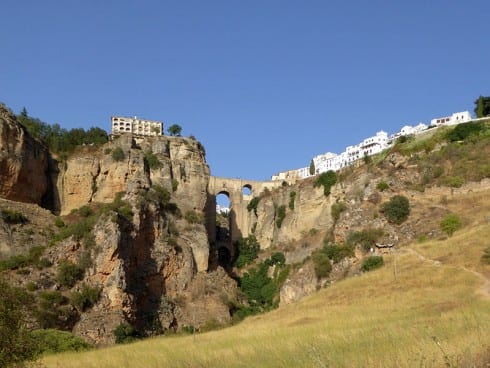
{"x":368,"y":147}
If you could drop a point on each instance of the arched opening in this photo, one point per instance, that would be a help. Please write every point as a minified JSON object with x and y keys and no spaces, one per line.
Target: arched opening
{"x":223,"y":251}
{"x":247,"y":190}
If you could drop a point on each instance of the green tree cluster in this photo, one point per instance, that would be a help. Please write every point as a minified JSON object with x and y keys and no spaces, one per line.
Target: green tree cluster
{"x":16,"y":343}
{"x":372,"y":263}
{"x":450,"y":224}
{"x":58,"y":139}
{"x":248,"y":249}
{"x":397,"y":209}
{"x":327,"y":180}
{"x":174,"y":130}
{"x":482,"y":106}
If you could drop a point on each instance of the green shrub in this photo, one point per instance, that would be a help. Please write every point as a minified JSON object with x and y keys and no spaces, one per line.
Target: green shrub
{"x":158,"y":194}
{"x":12,"y":217}
{"x":52,"y":341}
{"x":367,"y":238}
{"x":397,"y":209}
{"x":485,"y":258}
{"x":175,"y":185}
{"x":85,"y":211}
{"x":118,"y":154}
{"x":382,"y":186}
{"x":252,"y":205}
{"x":69,"y":273}
{"x":277,"y":258}
{"x":248,"y":249}
{"x":372,"y":263}
{"x":281,"y":214}
{"x":321,"y":264}
{"x":31,"y":286}
{"x":58,"y":222}
{"x":32,"y":258}
{"x":152,"y":160}
{"x":327,"y":180}
{"x":338,"y":252}
{"x":86,"y":297}
{"x":259,"y":288}
{"x":453,"y":181}
{"x":450,"y":224}
{"x":193,"y":217}
{"x":463,"y":131}
{"x":16,"y":344}
{"x":292,"y":198}
{"x":125,"y":333}
{"x":336,"y":209}
{"x":107,"y":151}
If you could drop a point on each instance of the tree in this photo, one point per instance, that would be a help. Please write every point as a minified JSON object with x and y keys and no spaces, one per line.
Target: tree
{"x":450,"y":224}
{"x":174,"y":130}
{"x":397,"y":209}
{"x":482,"y":107}
{"x":16,"y":343}
{"x":312,"y":167}
{"x":327,"y":180}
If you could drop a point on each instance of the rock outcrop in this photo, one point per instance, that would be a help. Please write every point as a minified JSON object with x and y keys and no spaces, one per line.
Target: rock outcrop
{"x":23,"y":162}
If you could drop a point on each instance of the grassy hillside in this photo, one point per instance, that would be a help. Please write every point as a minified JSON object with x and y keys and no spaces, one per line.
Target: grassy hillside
{"x":429,"y":306}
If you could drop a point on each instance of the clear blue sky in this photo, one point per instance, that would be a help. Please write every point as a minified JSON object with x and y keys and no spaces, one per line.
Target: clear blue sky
{"x":264,"y":84}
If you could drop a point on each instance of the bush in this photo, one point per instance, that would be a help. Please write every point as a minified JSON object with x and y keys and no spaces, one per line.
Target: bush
{"x":338,"y":252}
{"x":86,"y":297}
{"x":372,"y":263}
{"x":175,"y":185}
{"x":321,"y":264}
{"x":450,"y":224}
{"x":152,"y":160}
{"x":336,"y":209}
{"x":52,"y":341}
{"x":485,"y":258}
{"x":248,"y":249}
{"x":463,"y":131}
{"x":85,"y":211}
{"x":397,"y":209}
{"x":453,"y":181}
{"x":192,"y":217}
{"x":69,"y":273}
{"x":33,"y":257}
{"x":382,"y":186}
{"x":58,"y":222}
{"x":118,"y":154}
{"x":158,"y":194}
{"x":367,"y":238}
{"x":16,"y":344}
{"x":12,"y":217}
{"x":277,"y":258}
{"x":281,"y":214}
{"x":292,"y":198}
{"x":125,"y":333}
{"x":327,"y":180}
{"x":252,"y":205}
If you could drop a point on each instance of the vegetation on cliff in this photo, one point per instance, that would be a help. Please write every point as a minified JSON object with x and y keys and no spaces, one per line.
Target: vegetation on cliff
{"x":61,"y":140}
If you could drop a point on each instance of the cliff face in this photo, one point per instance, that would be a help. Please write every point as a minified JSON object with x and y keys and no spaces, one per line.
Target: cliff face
{"x":23,"y":162}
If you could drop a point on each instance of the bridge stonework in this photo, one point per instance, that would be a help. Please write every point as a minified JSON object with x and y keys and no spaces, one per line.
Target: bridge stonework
{"x":239,"y":215}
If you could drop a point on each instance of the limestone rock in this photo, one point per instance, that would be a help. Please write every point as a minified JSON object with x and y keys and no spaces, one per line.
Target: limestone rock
{"x":23,"y":162}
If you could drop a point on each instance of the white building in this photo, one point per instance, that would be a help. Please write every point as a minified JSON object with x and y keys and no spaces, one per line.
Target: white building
{"x":136,"y":126}
{"x":222,"y":209}
{"x":456,"y":118}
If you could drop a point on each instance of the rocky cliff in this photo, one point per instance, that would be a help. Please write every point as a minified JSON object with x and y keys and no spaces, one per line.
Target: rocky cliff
{"x":23,"y":162}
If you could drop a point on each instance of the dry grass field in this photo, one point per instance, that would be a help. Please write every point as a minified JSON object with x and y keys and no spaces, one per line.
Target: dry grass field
{"x":429,"y":306}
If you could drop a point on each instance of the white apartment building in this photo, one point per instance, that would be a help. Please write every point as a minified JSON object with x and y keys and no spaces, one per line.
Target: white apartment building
{"x":136,"y":126}
{"x":456,"y":118}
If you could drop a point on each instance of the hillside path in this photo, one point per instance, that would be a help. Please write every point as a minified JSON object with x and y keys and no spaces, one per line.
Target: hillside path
{"x":483,"y":290}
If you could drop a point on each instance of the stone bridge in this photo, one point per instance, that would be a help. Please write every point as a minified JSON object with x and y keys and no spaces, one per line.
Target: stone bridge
{"x":234,"y":189}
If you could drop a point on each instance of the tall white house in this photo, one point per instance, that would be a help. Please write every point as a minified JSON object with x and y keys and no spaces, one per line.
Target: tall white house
{"x":136,"y":126}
